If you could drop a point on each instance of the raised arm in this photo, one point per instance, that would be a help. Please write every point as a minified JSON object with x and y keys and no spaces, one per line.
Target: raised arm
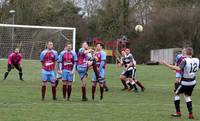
{"x":174,"y":67}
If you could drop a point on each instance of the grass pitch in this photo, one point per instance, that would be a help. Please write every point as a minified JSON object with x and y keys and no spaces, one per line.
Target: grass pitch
{"x":21,"y":101}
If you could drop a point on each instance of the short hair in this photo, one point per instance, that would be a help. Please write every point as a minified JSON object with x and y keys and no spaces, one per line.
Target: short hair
{"x":68,"y":43}
{"x":49,"y":42}
{"x":189,"y":51}
{"x":84,"y":42}
{"x":101,"y":44}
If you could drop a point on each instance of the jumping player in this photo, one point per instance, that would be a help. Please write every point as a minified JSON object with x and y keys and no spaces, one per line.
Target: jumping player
{"x":92,"y":59}
{"x":128,"y":73}
{"x":189,"y":66}
{"x":82,"y":67}
{"x":99,"y":76}
{"x":14,"y":61}
{"x":68,"y":59}
{"x":129,"y":55}
{"x":48,"y":58}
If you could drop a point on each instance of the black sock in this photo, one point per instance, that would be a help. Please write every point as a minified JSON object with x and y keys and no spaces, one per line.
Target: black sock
{"x":43,"y":90}
{"x":189,"y":106}
{"x":93,"y":91}
{"x":64,"y":91}
{"x":53,"y":88}
{"x":56,"y":83}
{"x":177,"y":105}
{"x":20,"y":75}
{"x":124,"y":83}
{"x":5,"y":75}
{"x":101,"y":92}
{"x":135,"y":87}
{"x":130,"y":85}
{"x":69,"y":90}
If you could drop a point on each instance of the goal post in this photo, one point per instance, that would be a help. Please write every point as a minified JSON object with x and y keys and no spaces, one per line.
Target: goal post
{"x":32,"y":39}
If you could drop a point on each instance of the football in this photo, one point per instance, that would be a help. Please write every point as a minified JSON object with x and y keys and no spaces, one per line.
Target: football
{"x":138,"y":28}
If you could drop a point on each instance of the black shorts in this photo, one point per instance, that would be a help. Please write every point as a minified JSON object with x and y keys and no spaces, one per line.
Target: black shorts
{"x":129,"y":73}
{"x":17,"y":66}
{"x":176,"y":85}
{"x":187,"y":90}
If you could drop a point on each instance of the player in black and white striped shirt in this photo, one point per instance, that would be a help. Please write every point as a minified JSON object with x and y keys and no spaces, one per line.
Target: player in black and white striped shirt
{"x":128,"y":53}
{"x":129,"y":73}
{"x":126,"y":76}
{"x":189,"y":67}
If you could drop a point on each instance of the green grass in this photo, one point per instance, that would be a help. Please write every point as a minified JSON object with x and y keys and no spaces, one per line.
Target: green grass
{"x":20,"y":101}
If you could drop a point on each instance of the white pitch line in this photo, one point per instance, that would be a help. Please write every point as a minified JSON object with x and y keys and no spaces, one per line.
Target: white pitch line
{"x":96,"y":103}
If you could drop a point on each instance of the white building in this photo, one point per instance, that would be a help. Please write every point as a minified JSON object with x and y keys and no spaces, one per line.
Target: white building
{"x":165,"y":54}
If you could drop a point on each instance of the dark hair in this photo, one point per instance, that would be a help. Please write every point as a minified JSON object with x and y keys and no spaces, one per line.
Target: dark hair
{"x":189,"y":51}
{"x":101,"y":44}
{"x":84,"y":42}
{"x":68,"y":43}
{"x":49,"y":42}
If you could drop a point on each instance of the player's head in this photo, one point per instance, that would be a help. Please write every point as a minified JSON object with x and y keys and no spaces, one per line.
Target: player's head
{"x":184,"y":51}
{"x":189,"y":51}
{"x":68,"y":46}
{"x":49,"y":45}
{"x":123,"y":52}
{"x":99,"y":46}
{"x":127,"y":50}
{"x":85,"y":45}
{"x":16,"y":50}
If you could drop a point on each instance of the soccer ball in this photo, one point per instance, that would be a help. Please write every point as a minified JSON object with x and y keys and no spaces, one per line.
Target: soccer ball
{"x":138,"y":28}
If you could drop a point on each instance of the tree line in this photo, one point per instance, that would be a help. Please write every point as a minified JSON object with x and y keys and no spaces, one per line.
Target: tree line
{"x":167,"y":23}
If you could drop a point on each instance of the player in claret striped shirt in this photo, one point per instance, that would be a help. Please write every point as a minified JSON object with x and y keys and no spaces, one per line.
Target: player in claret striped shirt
{"x":48,"y":58}
{"x":68,"y":59}
{"x":99,"y":75}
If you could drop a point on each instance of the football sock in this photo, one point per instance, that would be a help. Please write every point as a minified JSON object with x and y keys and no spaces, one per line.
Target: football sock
{"x":134,"y":86}
{"x":130,"y":85}
{"x":139,"y":84}
{"x":5,"y":75}
{"x":53,"y":88}
{"x":43,"y":90}
{"x":124,"y":83}
{"x":64,"y":91}
{"x":177,"y":103}
{"x":189,"y":103}
{"x":93,"y":91}
{"x":20,"y":75}
{"x":57,"y":81}
{"x":101,"y":92}
{"x":69,"y":90}
{"x":83,"y":92}
{"x":189,"y":106}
